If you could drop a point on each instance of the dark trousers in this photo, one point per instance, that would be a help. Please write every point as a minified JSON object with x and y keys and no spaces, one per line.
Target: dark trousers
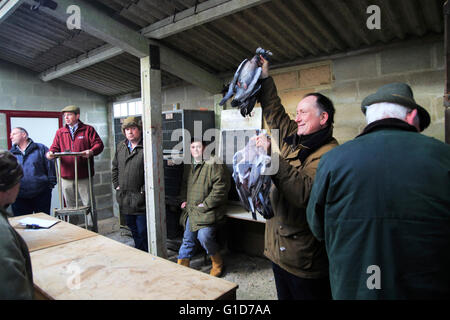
{"x":40,"y":203}
{"x":138,"y":227}
{"x":291,"y":287}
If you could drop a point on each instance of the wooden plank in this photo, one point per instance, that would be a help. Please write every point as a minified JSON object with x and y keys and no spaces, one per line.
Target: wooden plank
{"x":238,"y":212}
{"x":100,"y":268}
{"x":60,"y":233}
{"x":153,"y":157}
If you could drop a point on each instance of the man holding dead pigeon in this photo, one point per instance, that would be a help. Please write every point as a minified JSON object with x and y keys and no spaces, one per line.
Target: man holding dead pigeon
{"x":300,"y":263}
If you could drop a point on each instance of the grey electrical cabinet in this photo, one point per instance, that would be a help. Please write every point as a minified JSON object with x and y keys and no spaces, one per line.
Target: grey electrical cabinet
{"x":179,"y":126}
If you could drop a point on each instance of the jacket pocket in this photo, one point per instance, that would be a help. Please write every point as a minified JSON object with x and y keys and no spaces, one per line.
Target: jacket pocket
{"x":295,"y":247}
{"x":137,"y":201}
{"x":202,"y":217}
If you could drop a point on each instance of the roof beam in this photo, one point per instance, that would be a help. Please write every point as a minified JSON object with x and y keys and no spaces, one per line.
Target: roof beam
{"x":85,"y":60}
{"x":7,"y":7}
{"x":98,"y":24}
{"x":195,"y":16}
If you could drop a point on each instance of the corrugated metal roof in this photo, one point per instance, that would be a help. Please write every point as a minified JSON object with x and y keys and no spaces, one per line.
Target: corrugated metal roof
{"x":142,"y":13}
{"x":293,"y":30}
{"x":38,"y":41}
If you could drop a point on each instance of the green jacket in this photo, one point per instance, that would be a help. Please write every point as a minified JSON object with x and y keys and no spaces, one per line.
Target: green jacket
{"x":16,"y":276}
{"x":382,"y":201}
{"x":207,"y":183}
{"x":288,"y":240}
{"x":128,"y":173}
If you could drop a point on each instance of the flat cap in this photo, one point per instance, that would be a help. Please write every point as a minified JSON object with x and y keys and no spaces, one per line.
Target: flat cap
{"x":401,"y":94}
{"x":71,"y":108}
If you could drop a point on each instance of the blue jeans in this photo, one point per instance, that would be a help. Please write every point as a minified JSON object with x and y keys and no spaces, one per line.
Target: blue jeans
{"x":138,"y":227}
{"x":40,"y":203}
{"x":207,"y":238}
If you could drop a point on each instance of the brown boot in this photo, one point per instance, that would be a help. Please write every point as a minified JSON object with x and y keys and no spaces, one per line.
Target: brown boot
{"x":184,"y":262}
{"x":217,"y":265}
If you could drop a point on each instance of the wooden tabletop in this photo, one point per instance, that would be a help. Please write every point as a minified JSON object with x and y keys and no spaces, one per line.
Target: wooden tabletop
{"x":101,"y":268}
{"x":60,"y":233}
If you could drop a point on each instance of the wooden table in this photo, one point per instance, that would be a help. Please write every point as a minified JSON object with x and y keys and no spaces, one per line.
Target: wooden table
{"x":60,"y":233}
{"x":96,"y":267}
{"x":101,"y":268}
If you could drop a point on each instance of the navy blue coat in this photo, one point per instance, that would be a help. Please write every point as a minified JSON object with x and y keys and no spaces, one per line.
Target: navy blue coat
{"x":38,"y":172}
{"x":381,"y":203}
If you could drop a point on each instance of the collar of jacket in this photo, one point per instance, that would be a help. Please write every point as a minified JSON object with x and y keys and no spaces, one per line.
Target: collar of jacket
{"x":140,"y":143}
{"x":196,"y":165}
{"x":389,"y":123}
{"x":309,"y":143}
{"x":80,"y":125}
{"x":31,"y":145}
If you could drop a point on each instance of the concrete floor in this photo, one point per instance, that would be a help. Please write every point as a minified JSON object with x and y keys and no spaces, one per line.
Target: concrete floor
{"x":253,"y":274}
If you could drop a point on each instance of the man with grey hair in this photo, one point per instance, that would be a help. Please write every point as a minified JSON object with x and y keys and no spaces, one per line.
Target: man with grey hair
{"x":381,"y":204}
{"x":39,"y":174}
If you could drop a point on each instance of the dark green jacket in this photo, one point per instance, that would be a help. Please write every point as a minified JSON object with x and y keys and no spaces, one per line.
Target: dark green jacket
{"x":288,"y":240}
{"x":128,"y":173}
{"x":16,"y":276}
{"x":207,"y":183}
{"x":383,"y":199}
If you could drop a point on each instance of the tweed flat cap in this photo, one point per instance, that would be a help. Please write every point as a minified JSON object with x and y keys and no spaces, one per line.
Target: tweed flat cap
{"x":71,"y":108}
{"x":401,"y":94}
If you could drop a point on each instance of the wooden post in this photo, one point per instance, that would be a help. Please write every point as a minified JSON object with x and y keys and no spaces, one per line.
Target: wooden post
{"x":447,"y":71}
{"x":217,"y":109}
{"x":153,"y":158}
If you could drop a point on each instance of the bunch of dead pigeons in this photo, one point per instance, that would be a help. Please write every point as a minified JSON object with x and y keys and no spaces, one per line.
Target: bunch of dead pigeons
{"x":246,"y":84}
{"x":253,"y":187}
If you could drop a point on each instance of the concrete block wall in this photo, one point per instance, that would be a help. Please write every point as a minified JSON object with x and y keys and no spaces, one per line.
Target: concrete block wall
{"x":21,"y":89}
{"x":354,"y":78}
